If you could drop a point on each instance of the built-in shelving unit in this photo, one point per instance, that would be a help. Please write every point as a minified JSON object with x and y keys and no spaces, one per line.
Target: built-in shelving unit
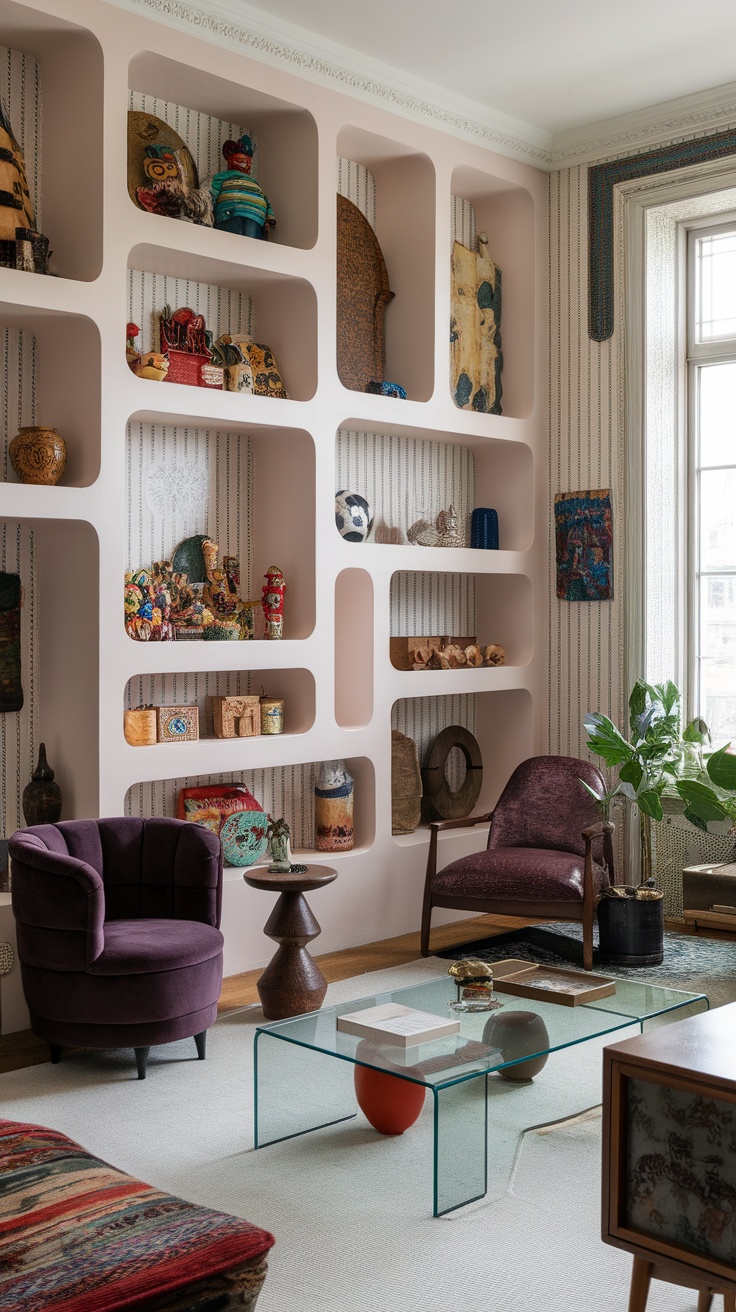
{"x":267,"y":469}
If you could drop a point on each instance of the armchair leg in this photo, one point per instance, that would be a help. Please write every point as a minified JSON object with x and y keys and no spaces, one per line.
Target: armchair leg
{"x":141,"y":1059}
{"x":55,"y":1053}
{"x":426,"y":920}
{"x":588,"y":943}
{"x":201,"y":1042}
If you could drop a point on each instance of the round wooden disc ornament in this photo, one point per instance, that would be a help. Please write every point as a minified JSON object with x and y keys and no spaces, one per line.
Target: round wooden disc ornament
{"x":440,"y":802}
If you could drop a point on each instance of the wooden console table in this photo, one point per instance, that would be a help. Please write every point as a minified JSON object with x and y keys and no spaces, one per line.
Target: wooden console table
{"x":669,"y":1160}
{"x":292,"y":982}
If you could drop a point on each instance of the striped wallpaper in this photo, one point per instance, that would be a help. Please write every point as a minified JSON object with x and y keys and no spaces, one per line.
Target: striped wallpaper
{"x":586,"y":639}
{"x":19,"y":729}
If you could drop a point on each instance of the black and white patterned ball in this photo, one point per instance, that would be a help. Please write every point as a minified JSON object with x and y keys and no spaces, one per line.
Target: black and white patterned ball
{"x":353,"y":516}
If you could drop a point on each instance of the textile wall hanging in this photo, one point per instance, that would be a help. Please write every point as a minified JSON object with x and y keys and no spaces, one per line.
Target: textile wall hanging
{"x":475,"y":329}
{"x":602,"y":179}
{"x":583,"y":538}
{"x":11,"y":692}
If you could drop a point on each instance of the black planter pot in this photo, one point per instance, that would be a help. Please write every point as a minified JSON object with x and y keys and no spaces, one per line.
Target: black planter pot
{"x":631,"y":930}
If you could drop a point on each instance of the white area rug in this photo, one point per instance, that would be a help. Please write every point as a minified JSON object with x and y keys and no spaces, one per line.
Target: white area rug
{"x":351,"y":1210}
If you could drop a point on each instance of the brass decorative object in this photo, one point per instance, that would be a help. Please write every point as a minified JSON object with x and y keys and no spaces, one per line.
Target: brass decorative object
{"x":474,"y":983}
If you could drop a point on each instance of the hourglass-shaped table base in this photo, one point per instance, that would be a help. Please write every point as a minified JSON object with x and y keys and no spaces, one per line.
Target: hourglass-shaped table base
{"x":292,"y":982}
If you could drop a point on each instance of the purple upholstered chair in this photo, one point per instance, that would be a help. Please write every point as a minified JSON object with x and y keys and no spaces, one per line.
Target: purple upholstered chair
{"x":548,"y":855}
{"x":118,"y":931}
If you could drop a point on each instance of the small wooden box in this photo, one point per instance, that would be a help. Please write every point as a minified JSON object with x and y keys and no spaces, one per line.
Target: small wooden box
{"x":707,"y":892}
{"x":235,"y":717}
{"x":177,"y":724}
{"x":140,"y":726}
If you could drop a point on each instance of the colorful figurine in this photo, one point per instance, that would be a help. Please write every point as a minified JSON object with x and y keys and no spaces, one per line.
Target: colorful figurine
{"x":21,"y":245}
{"x":168,"y":191}
{"x":273,"y":602}
{"x":240,"y":205}
{"x":221,"y":591}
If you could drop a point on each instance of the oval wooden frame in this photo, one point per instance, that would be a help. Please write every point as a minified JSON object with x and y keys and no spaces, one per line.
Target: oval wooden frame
{"x":441,"y":802}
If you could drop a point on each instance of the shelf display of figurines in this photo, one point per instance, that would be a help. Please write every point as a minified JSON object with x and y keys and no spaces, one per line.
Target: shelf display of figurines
{"x":189,"y":355}
{"x":21,"y":246}
{"x":162,"y":175}
{"x":239,"y":203}
{"x":38,"y":455}
{"x":168,"y":602}
{"x":273,"y":602}
{"x":334,"y":827}
{"x":144,"y":364}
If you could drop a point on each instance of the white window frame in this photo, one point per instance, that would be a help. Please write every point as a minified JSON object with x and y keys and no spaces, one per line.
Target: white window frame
{"x":719,"y":350}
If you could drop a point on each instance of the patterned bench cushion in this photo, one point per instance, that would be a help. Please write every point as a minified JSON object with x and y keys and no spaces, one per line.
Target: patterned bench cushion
{"x":77,"y":1235}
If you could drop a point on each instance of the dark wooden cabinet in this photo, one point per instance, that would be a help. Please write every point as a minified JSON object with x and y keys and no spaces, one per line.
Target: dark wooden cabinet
{"x":669,"y":1155}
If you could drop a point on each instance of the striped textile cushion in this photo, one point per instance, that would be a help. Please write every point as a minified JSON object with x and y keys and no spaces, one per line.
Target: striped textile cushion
{"x":76,"y":1235}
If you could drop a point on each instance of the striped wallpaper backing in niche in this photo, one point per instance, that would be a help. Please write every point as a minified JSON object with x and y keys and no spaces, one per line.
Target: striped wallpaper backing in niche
{"x":18,"y":729}
{"x":586,"y":639}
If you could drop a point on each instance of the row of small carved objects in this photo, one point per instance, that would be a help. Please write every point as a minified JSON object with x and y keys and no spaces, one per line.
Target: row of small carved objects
{"x":444,"y":653}
{"x":232,"y":717}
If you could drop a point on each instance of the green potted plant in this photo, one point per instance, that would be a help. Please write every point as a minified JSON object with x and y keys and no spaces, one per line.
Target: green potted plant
{"x":658,"y":757}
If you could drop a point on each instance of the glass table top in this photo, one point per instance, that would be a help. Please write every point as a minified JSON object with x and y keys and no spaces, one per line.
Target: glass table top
{"x":471,"y":1053}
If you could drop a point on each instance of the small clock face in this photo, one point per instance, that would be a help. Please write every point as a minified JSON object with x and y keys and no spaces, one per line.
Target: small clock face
{"x":243,"y":837}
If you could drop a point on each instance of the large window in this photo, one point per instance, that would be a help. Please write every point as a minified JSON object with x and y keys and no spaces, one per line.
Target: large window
{"x":711,"y":500}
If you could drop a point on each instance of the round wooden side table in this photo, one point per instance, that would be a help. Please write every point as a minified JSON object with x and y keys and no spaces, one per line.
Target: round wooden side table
{"x":292,"y":982}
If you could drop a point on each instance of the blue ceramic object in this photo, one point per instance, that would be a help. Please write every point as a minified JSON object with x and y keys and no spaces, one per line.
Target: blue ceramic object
{"x":484,"y":528}
{"x":243,"y":837}
{"x":387,"y":389}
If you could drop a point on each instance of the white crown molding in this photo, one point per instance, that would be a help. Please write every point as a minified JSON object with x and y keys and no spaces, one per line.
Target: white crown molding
{"x":696,"y":115}
{"x":237,"y":25}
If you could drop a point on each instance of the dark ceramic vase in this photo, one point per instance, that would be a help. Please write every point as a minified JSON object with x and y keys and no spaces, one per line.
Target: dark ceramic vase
{"x":518,"y":1034}
{"x":42,"y":797}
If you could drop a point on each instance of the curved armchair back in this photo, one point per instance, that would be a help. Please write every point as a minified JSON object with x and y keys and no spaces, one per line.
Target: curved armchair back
{"x":545,"y":805}
{"x":149,"y":868}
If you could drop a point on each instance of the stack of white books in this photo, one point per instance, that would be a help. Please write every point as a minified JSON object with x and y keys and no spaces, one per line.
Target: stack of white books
{"x":393,"y":1023}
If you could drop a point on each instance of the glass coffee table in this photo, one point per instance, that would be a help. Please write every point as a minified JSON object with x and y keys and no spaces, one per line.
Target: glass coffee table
{"x":304,"y":1074}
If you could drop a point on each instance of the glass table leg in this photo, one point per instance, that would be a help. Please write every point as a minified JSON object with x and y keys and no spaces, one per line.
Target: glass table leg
{"x":297,"y":1089}
{"x":460,"y":1144}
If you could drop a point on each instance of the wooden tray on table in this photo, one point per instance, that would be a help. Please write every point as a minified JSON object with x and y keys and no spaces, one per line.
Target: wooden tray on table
{"x":570,"y":988}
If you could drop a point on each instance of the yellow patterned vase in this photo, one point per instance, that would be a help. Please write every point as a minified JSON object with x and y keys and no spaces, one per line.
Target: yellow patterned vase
{"x":38,"y":455}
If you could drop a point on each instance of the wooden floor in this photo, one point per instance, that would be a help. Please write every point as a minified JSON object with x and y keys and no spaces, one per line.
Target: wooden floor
{"x":24,"y":1049}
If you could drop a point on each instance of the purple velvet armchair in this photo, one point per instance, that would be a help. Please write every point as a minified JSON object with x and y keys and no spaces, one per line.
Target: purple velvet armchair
{"x":549,"y":854}
{"x":118,"y":932}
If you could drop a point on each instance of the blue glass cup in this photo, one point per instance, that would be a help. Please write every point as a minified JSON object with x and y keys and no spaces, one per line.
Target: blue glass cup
{"x":484,"y":528}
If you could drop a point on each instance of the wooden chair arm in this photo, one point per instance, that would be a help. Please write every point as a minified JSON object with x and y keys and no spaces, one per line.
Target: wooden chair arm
{"x":437,"y":825}
{"x":600,"y":827}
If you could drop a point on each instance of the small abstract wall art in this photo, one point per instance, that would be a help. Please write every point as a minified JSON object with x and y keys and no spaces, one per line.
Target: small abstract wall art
{"x":583,"y":539}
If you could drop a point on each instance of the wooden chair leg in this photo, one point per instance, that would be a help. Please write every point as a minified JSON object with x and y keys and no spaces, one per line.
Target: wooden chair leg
{"x":201,"y":1042}
{"x":729,"y":1302}
{"x":641,"y":1278}
{"x":141,"y":1060}
{"x":588,"y":941}
{"x":55,"y":1052}
{"x":705,"y":1298}
{"x":426,"y":921}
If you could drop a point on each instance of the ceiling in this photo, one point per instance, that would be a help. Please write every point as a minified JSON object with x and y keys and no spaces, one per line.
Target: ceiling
{"x":553,"y":66}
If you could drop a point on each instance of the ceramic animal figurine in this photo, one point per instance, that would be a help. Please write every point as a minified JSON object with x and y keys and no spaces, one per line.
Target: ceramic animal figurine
{"x":152,"y":364}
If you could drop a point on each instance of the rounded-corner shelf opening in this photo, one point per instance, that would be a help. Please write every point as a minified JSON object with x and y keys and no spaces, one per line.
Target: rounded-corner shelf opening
{"x":410,"y":477}
{"x":229,"y":705}
{"x":274,"y":310}
{"x":189,"y":480}
{"x":283,"y":791}
{"x":502,"y":722}
{"x":283,"y":137}
{"x":45,"y":59}
{"x":353,"y":648}
{"x":57,"y":667}
{"x":460,"y":622}
{"x":385,"y":273}
{"x":504,"y":212}
{"x":41,"y":394}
